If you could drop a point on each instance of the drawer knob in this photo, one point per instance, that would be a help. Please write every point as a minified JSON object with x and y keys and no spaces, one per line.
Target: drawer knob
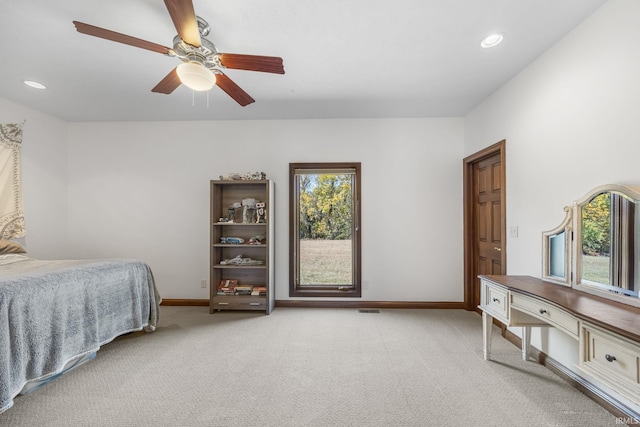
{"x":496,"y":300}
{"x":609,"y":357}
{"x":543,"y":311}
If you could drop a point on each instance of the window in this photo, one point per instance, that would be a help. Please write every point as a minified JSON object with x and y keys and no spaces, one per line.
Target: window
{"x":324,"y":229}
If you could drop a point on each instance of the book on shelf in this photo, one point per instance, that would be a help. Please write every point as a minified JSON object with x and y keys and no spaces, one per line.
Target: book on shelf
{"x":227,"y":285}
{"x":231,"y":287}
{"x":244,"y":289}
{"x":259,"y":291}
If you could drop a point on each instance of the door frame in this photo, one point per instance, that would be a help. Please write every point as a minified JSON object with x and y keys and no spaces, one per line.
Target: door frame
{"x":469,"y":231}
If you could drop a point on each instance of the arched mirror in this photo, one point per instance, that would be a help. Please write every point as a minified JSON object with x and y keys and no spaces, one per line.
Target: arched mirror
{"x":597,"y":247}
{"x":606,"y":247}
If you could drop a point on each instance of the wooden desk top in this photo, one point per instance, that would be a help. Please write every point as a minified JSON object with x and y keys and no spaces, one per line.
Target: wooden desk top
{"x":610,"y":315}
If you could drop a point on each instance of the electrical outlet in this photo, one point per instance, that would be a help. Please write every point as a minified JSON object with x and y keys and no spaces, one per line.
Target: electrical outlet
{"x":513,"y":231}
{"x":203,"y":283}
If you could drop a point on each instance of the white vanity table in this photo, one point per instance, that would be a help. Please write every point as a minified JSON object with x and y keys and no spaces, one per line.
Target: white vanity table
{"x":608,"y":331}
{"x":600,"y":309}
{"x":503,"y":298}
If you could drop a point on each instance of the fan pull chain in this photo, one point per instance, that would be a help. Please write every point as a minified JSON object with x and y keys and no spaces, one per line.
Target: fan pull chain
{"x":193,"y":98}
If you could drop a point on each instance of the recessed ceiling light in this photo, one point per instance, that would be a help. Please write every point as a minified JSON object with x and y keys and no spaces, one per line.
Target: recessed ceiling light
{"x":35,"y":85}
{"x":492,"y":40}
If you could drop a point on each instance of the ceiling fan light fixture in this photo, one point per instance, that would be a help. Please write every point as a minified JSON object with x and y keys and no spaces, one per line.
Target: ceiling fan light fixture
{"x":492,"y":40}
{"x":196,"y":76}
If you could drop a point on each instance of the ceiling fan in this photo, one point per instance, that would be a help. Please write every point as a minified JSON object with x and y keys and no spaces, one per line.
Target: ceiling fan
{"x":202,"y":64}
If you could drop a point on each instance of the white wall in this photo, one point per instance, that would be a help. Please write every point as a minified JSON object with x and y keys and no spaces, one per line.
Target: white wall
{"x":571,"y":121}
{"x":44,"y":179}
{"x":141,"y":190}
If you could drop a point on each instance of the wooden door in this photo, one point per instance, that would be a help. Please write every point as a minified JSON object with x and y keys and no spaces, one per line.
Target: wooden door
{"x":485,"y":248}
{"x":488,"y":219}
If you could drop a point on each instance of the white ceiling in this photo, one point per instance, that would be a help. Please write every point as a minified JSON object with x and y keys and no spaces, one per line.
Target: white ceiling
{"x":342,"y":58}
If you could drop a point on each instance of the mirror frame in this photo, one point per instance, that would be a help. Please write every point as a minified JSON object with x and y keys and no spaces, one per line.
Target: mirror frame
{"x":572,"y":225}
{"x":630,"y":192}
{"x":566,"y":226}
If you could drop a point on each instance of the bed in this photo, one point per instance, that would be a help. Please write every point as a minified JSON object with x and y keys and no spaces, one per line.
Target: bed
{"x":55,"y":315}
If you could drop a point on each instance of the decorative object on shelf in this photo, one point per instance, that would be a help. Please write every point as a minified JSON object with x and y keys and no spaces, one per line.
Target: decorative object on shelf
{"x":232,"y":240}
{"x":261,"y":214}
{"x":257,"y":240}
{"x":249,"y":176}
{"x":240,"y":260}
{"x":231,"y":212}
{"x":248,"y":211}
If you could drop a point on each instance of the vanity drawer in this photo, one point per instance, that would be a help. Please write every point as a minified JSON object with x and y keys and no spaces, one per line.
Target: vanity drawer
{"x":611,"y":359}
{"x":549,"y":313}
{"x":495,"y":301}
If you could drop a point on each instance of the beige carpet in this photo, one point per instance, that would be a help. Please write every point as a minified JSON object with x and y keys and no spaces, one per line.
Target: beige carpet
{"x":308,"y":367}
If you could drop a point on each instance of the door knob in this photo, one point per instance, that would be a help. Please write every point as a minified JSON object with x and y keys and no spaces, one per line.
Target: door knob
{"x":497,"y":248}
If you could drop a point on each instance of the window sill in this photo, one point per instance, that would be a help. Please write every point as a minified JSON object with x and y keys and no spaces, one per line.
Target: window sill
{"x":329,"y":293}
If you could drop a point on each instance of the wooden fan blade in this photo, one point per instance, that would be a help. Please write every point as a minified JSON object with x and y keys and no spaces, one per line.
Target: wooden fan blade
{"x":119,"y":37}
{"x":265,"y":64}
{"x":168,"y":84}
{"x":233,"y":90}
{"x":184,"y":19}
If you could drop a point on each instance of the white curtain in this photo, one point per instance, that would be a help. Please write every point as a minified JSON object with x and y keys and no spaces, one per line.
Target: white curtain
{"x":11,"y":203}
